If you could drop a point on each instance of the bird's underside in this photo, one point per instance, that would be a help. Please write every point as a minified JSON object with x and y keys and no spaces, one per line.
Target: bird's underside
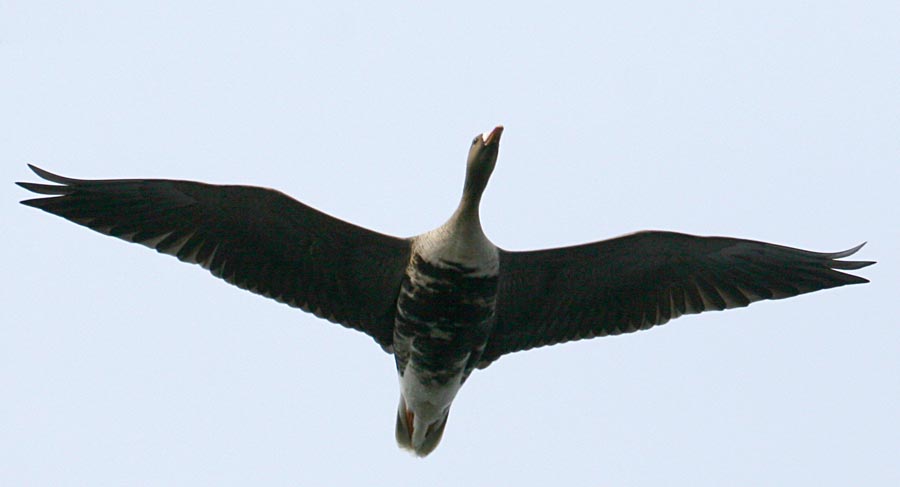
{"x":266,"y":242}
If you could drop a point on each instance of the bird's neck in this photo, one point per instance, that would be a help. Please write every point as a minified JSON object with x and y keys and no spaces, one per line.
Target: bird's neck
{"x":467,"y":213}
{"x":461,"y":239}
{"x":466,"y":219}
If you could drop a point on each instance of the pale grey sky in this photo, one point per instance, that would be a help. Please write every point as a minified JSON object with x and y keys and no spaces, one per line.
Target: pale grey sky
{"x":776,"y":121}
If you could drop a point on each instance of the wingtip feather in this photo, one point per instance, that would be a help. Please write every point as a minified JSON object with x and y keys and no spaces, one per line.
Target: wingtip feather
{"x":44,"y":188}
{"x":54,"y":178}
{"x":849,"y":264}
{"x":846,"y":253}
{"x":62,"y":188}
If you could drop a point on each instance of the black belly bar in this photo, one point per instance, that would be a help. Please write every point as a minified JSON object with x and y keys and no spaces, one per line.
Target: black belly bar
{"x":445,"y":315}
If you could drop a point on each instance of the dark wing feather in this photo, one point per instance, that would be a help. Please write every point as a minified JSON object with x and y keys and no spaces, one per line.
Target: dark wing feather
{"x":645,"y":279}
{"x":255,"y":238}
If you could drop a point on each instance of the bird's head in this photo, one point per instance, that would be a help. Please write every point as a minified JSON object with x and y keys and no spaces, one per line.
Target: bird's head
{"x":483,"y":151}
{"x":481,"y":162}
{"x":419,"y":429}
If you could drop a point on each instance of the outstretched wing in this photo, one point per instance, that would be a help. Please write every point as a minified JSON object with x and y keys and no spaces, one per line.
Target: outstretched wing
{"x":645,"y":279}
{"x":255,"y":238}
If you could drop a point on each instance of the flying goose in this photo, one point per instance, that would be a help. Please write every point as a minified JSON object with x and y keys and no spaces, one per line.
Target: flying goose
{"x":446,"y":301}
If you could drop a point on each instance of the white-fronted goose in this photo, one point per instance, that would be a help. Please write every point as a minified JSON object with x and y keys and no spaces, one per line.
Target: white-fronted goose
{"x":447,"y":301}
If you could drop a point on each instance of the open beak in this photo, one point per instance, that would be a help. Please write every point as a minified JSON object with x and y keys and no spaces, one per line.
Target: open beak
{"x":493,"y":136}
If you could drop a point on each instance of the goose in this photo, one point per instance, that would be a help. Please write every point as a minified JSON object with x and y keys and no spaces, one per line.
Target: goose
{"x":447,"y":301}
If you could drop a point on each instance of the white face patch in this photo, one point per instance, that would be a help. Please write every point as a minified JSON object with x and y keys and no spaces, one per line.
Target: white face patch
{"x":484,"y":137}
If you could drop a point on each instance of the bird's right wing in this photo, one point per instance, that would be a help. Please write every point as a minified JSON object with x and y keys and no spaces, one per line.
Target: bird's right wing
{"x":645,"y":279}
{"x":255,"y":238}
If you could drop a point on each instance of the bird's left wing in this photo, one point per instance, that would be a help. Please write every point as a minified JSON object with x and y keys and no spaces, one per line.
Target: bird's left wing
{"x":255,"y":238}
{"x":645,"y":279}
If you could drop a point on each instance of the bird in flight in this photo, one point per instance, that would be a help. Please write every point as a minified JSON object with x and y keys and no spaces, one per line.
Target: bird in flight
{"x":447,"y":301}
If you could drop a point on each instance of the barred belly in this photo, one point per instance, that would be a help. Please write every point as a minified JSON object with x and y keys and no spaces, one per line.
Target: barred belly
{"x":445,"y":312}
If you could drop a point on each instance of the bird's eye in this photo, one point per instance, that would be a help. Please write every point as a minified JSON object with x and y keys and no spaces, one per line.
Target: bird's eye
{"x":475,"y":140}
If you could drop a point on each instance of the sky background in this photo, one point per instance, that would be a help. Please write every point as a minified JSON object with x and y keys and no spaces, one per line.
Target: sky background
{"x":770,"y":120}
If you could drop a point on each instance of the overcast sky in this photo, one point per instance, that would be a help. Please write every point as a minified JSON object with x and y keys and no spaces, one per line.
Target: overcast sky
{"x":772,"y":120}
